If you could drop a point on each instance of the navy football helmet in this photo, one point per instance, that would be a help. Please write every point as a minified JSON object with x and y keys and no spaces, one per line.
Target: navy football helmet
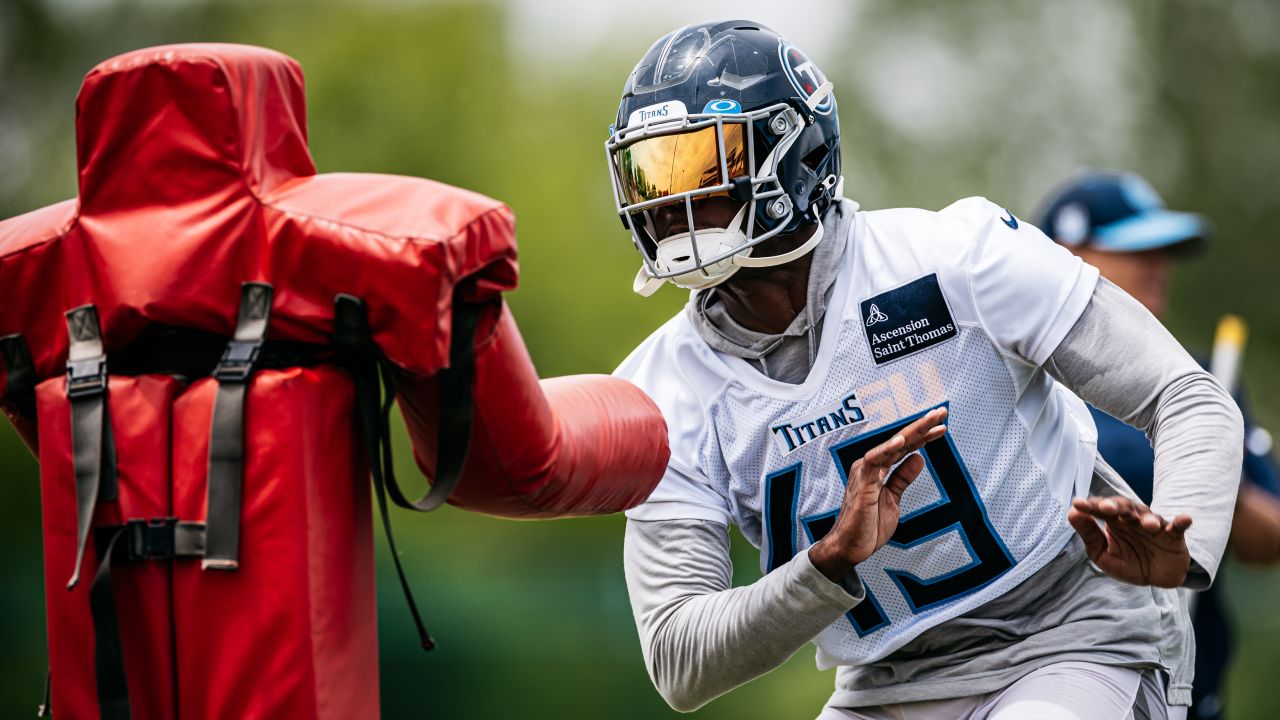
{"x":723,"y":109}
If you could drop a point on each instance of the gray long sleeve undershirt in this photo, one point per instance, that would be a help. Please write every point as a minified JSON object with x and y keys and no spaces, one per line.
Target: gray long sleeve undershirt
{"x":1120,"y":359}
{"x":701,"y":639}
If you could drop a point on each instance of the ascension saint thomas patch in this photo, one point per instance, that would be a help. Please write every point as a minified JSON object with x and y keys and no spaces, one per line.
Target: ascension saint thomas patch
{"x":907,"y":319}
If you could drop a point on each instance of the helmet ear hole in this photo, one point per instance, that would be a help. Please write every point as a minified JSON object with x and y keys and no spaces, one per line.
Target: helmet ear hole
{"x":814,"y":159}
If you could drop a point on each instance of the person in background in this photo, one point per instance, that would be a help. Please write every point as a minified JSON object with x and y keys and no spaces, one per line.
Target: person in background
{"x":1118,"y":223}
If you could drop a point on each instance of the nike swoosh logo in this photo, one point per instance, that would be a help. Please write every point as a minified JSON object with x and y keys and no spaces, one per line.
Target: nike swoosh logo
{"x":1011,"y":221}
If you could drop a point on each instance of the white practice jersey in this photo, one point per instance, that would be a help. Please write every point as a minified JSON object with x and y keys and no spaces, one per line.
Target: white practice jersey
{"x":958,"y":308}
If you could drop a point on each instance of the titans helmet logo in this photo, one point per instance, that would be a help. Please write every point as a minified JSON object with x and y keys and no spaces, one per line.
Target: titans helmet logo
{"x":804,"y":75}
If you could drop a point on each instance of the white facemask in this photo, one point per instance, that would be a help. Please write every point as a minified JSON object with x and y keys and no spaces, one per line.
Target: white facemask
{"x":676,"y":253}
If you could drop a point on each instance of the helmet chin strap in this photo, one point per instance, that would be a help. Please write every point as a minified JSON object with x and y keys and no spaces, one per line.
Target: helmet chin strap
{"x":645,"y":284}
{"x":747,"y":261}
{"x":819,"y":95}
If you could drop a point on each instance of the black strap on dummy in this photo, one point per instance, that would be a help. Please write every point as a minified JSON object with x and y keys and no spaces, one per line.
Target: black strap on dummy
{"x":91,"y":440}
{"x":354,"y":343}
{"x":190,"y":354}
{"x":136,"y":541}
{"x":108,"y":653}
{"x":454,"y":423}
{"x":20,"y":374}
{"x":226,"y":438}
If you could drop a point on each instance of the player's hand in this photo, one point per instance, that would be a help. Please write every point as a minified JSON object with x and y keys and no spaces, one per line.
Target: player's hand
{"x":869,"y":513}
{"x":1132,"y":544}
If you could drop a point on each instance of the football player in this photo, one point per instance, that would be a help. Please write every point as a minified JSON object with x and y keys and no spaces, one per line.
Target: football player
{"x":882,"y":403}
{"x":1118,"y":223}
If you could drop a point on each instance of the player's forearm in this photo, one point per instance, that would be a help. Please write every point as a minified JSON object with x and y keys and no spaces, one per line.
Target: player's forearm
{"x":700,"y":638}
{"x":1255,"y":531}
{"x":1121,"y":359}
{"x":1198,"y":436}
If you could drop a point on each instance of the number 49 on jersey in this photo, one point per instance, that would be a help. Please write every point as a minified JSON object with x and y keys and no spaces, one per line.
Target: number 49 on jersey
{"x":959,"y":509}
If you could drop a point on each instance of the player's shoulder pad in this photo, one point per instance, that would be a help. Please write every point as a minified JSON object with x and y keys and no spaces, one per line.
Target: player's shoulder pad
{"x":902,"y":228}
{"x":945,"y":237}
{"x":972,"y":215}
{"x":980,"y":216}
{"x":975,"y":222}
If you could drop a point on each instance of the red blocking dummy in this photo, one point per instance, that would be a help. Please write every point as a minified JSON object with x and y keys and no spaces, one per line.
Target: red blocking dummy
{"x":195,"y":178}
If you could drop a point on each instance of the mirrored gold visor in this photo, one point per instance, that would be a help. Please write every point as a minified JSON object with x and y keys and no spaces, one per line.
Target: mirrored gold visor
{"x":667,"y":165}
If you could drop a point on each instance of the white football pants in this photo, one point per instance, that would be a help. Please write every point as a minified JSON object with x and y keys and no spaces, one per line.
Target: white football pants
{"x":1061,"y":691}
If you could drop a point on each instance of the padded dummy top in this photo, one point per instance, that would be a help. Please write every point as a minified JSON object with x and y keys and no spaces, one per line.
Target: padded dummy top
{"x":195,"y":176}
{"x":145,"y":118}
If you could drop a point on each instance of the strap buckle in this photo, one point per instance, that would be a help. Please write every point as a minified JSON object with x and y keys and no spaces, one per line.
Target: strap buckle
{"x":237,"y":360}
{"x":150,"y":538}
{"x":86,"y":377}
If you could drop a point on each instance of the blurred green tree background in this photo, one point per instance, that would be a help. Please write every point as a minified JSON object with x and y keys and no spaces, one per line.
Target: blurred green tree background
{"x":512,"y":99}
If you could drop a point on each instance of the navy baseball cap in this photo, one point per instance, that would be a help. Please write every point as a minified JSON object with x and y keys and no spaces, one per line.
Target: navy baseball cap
{"x":1117,"y":212}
